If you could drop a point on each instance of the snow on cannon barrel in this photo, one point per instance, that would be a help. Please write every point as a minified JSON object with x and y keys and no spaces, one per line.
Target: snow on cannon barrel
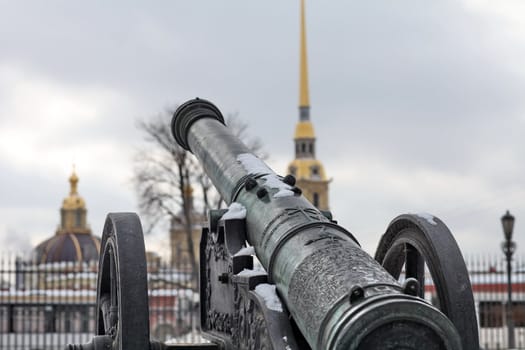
{"x":319,"y":289}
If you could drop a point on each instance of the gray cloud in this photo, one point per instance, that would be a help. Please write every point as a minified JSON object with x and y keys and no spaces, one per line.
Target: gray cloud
{"x":417,"y":106}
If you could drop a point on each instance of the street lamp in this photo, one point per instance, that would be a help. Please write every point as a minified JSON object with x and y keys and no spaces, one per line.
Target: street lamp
{"x":508,"y":247}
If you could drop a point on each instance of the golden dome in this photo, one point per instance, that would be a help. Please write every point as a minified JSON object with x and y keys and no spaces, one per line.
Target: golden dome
{"x":73,"y":201}
{"x":307,"y":168}
{"x":73,"y":240}
{"x":304,"y":130}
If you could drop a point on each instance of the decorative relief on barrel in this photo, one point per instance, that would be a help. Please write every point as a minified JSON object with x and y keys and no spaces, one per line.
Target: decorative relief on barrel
{"x":343,"y":262}
{"x":297,"y":214}
{"x":309,"y":213}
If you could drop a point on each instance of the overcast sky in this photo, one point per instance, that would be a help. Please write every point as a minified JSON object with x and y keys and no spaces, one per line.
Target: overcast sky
{"x":418,"y":106}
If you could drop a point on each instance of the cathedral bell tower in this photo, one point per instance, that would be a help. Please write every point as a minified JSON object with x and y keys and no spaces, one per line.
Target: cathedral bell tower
{"x":308,"y":171}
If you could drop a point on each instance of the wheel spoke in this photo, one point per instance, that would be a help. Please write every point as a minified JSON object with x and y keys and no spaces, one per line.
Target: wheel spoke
{"x":113,"y":309}
{"x":105,"y":306}
{"x":415,"y":267}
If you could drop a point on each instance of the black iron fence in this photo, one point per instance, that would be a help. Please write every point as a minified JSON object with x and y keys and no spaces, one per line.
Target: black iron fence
{"x":488,"y":278}
{"x":47,"y":306}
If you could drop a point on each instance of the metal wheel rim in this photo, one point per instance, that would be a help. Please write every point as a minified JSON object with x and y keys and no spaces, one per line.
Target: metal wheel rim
{"x":432,"y":242}
{"x":122,"y":293}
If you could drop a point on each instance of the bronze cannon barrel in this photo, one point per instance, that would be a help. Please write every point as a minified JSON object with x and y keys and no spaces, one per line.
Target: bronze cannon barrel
{"x":338,"y":295}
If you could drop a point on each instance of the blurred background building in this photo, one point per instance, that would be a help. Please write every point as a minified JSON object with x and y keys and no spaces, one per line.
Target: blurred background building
{"x":48,"y":299}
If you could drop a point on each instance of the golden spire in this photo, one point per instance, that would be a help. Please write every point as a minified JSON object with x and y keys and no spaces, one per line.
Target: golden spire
{"x":308,"y":171}
{"x":304,"y":98}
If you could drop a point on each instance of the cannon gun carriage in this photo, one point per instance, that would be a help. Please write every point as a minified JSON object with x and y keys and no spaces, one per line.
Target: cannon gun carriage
{"x":318,"y":289}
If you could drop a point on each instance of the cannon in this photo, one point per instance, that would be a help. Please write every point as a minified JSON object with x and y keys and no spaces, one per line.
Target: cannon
{"x":315,"y":289}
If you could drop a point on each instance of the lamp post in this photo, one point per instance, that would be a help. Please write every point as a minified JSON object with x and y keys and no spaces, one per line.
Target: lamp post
{"x":508,"y":246}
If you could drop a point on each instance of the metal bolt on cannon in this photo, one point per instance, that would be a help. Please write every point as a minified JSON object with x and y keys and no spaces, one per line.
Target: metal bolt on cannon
{"x":319,"y":290}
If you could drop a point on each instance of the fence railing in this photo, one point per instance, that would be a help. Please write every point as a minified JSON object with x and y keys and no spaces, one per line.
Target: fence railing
{"x":47,"y":306}
{"x":488,"y":277}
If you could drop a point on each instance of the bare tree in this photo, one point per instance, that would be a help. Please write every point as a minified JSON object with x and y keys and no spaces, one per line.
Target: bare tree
{"x":164,"y":173}
{"x":162,"y":176}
